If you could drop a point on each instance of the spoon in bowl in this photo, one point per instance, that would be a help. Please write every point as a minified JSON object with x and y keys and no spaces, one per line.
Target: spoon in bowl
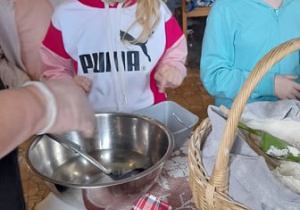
{"x":116,"y":175}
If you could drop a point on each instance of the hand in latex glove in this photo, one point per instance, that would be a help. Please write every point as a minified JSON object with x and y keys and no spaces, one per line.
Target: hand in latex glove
{"x":168,"y":76}
{"x":73,"y":111}
{"x":286,"y":87}
{"x":83,"y":82}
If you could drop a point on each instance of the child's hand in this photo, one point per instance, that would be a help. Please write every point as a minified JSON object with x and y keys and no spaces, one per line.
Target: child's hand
{"x":286,"y":87}
{"x":83,"y":82}
{"x":168,"y":76}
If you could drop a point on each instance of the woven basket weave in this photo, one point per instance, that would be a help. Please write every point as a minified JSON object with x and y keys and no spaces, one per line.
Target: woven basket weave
{"x":212,"y":192}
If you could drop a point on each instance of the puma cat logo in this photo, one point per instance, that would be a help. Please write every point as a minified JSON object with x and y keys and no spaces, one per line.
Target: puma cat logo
{"x":130,"y":38}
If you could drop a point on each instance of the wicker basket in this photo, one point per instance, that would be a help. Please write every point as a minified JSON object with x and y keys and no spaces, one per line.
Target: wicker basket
{"x":212,"y":192}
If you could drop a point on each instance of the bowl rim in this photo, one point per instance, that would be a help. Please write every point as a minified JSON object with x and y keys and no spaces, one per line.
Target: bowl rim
{"x":156,"y":166}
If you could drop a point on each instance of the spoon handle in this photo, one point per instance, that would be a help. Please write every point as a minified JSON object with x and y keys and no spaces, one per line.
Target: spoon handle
{"x":77,"y":148}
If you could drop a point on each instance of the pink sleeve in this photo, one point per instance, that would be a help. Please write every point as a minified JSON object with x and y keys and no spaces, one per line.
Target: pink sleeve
{"x":176,"y":46}
{"x":56,"y":63}
{"x":176,"y":55}
{"x":55,"y":66}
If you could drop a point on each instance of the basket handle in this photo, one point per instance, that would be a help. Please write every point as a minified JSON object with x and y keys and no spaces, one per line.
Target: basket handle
{"x":219,"y":177}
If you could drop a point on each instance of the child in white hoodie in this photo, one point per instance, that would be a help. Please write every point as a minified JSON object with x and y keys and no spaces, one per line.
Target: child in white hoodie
{"x":130,"y":51}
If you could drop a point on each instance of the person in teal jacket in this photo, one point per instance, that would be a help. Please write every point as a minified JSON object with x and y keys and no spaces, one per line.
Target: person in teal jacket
{"x":238,"y":34}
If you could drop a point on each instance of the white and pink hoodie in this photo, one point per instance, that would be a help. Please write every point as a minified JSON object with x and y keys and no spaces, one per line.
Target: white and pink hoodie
{"x":84,"y":38}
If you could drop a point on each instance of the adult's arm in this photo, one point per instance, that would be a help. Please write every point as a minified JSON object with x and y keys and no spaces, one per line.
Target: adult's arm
{"x":25,"y":111}
{"x":32,"y":19}
{"x":10,"y":74}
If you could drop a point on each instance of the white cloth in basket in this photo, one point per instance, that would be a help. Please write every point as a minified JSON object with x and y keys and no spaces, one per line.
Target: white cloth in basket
{"x":250,"y":180}
{"x":280,"y":118}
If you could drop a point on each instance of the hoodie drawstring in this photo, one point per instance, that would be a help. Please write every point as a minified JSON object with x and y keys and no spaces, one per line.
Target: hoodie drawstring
{"x":119,"y":55}
{"x":117,"y":80}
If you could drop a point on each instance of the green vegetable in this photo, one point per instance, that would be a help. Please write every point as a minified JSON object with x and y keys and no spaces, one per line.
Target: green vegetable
{"x":274,"y":146}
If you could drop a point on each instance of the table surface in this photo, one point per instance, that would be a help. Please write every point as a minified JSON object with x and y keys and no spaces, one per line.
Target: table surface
{"x":172,"y":186}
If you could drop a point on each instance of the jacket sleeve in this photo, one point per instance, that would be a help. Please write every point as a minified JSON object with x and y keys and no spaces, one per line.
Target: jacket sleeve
{"x":176,"y":46}
{"x":11,"y":75}
{"x":32,"y":19}
{"x":217,"y":72}
{"x":55,"y":66}
{"x":56,"y":63}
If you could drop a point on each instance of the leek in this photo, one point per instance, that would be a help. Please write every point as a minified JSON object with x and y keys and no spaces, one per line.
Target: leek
{"x":273,"y":146}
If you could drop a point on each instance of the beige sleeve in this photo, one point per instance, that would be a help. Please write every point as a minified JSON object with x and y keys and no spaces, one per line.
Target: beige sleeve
{"x":11,"y":75}
{"x":32,"y":20}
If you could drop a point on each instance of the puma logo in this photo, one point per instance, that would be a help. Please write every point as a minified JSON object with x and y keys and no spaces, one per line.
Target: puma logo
{"x":130,"y":38}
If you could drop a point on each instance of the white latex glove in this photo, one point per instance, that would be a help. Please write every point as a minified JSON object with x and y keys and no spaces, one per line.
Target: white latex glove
{"x":286,"y":87}
{"x":168,"y":76}
{"x":68,"y":107}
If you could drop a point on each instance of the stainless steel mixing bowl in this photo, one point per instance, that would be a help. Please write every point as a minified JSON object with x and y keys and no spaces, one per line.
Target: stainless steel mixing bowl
{"x":121,"y":141}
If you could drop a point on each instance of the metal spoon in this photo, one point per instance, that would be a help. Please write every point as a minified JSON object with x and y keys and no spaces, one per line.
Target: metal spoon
{"x":116,"y":175}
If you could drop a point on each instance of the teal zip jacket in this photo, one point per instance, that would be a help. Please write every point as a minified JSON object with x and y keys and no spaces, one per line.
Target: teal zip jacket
{"x":238,"y":34}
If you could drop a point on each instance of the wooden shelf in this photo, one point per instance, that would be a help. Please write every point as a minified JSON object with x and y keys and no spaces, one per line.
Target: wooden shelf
{"x":199,"y":12}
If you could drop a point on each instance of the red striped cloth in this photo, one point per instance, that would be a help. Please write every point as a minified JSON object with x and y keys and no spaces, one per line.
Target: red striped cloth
{"x":150,"y":202}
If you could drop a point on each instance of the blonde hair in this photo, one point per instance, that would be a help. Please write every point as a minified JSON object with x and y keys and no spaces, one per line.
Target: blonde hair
{"x":147,"y":15}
